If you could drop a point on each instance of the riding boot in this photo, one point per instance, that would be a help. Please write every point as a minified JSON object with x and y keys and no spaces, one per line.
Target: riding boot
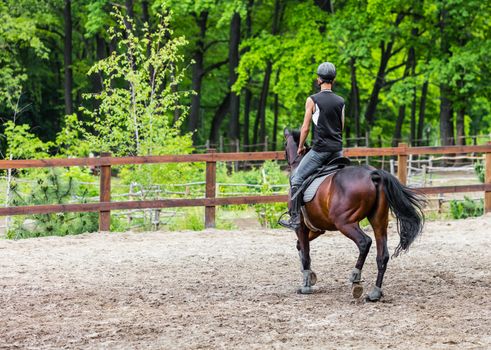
{"x":294,"y":222}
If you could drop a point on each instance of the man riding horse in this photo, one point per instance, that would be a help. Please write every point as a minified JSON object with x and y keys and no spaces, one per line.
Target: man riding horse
{"x":326,"y":110}
{"x":340,"y":200}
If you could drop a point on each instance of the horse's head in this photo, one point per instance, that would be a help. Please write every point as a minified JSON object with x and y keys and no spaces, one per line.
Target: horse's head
{"x":292,"y":138}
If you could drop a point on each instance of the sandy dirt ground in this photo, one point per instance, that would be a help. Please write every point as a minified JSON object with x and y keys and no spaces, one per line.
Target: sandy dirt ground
{"x":236,"y":290}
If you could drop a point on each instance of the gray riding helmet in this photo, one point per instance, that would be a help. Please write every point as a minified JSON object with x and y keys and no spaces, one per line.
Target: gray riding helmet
{"x":327,"y":72}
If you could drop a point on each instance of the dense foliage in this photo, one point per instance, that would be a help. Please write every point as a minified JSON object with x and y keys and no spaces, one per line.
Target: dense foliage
{"x":462,"y":209}
{"x":416,"y":71}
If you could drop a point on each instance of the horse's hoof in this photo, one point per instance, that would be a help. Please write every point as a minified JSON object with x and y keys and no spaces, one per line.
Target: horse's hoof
{"x":375,"y":294}
{"x":313,"y":278}
{"x":305,"y":290}
{"x":356,"y":290}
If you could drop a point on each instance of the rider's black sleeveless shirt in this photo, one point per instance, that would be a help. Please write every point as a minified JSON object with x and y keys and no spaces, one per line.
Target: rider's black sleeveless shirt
{"x":327,"y":118}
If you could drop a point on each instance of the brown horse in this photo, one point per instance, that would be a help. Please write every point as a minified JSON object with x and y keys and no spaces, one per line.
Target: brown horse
{"x":346,"y":198}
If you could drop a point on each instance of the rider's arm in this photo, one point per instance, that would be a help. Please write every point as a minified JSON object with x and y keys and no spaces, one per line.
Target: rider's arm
{"x":304,"y":131}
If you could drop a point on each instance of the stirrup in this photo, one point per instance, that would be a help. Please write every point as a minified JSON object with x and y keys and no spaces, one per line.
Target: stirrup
{"x":288,"y":223}
{"x":283,"y":222}
{"x":281,"y":216}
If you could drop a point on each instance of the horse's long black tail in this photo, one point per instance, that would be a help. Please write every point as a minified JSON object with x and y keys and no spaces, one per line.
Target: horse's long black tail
{"x":406,"y":204}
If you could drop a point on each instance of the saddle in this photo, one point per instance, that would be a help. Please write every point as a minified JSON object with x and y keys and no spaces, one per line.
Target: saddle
{"x":309,"y":187}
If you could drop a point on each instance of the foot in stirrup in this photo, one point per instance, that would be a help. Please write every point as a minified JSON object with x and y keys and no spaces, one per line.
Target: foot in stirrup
{"x":293,"y":223}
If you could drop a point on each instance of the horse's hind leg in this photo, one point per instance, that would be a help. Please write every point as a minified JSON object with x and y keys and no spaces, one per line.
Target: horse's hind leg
{"x":379,"y":222}
{"x":303,"y":246}
{"x":363,"y":242}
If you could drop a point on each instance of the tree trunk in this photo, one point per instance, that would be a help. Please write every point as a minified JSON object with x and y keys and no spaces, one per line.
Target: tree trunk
{"x":398,"y":127}
{"x":446,"y":117}
{"x":354,"y":100}
{"x":255,"y":130}
{"x":261,"y":108}
{"x":220,"y":114}
{"x":379,"y":83}
{"x":412,"y":55}
{"x":247,"y":112}
{"x":325,"y":5}
{"x":275,"y":121}
{"x":460,"y":115}
{"x":460,"y":126}
{"x":68,"y":57}
{"x":446,"y":108}
{"x":422,"y":111}
{"x":101,"y":53}
{"x":101,"y":50}
{"x":386,"y":54}
{"x":275,"y":113}
{"x":145,"y":12}
{"x":412,"y":140}
{"x":129,"y":8}
{"x":198,"y":71}
{"x":397,"y":137}
{"x":248,"y":93}
{"x":263,"y":98}
{"x":233,"y":64}
{"x":97,"y":77}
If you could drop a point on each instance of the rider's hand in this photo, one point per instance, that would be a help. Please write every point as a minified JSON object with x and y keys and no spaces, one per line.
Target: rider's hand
{"x":301,"y":150}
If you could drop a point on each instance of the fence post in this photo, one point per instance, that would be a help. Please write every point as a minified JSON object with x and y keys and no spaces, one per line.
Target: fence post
{"x":487,"y":180}
{"x":105,"y":195}
{"x":211,"y":177}
{"x":402,"y":165}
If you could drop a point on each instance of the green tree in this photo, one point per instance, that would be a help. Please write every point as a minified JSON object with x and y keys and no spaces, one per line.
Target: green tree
{"x":136,"y":103}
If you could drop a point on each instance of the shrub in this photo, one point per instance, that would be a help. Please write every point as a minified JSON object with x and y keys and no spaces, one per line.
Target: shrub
{"x":52,"y":187}
{"x":271,"y":176}
{"x":466,"y":208}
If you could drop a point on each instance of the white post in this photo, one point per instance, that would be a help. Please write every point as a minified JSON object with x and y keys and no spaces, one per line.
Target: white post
{"x":424,"y":175}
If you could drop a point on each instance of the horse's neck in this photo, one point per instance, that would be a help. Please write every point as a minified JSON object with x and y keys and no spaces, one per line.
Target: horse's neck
{"x":296,"y":162}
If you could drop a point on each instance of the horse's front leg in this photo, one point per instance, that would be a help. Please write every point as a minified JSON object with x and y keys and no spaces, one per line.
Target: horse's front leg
{"x":303,"y":246}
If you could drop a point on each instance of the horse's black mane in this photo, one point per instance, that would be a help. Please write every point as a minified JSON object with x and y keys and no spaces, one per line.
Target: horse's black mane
{"x":296,"y":135}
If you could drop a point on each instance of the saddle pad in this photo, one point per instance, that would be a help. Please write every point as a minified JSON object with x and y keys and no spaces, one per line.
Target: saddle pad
{"x":310,"y":192}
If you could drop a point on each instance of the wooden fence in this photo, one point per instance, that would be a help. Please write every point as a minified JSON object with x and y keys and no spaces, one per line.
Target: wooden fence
{"x":105,"y":161}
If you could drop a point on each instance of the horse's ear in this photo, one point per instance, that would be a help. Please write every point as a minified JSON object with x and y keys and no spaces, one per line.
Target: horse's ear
{"x":286,"y":132}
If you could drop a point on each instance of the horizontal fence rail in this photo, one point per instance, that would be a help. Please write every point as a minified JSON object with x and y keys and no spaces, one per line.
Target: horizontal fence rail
{"x":105,"y":161}
{"x":228,"y":157}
